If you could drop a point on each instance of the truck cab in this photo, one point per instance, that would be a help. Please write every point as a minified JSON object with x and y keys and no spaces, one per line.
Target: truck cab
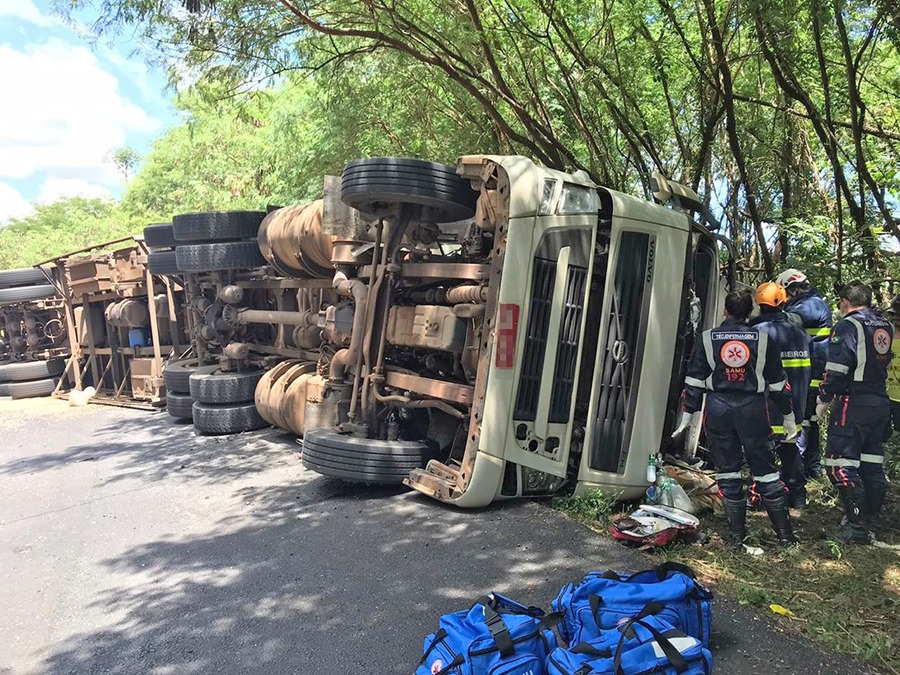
{"x":594,"y":299}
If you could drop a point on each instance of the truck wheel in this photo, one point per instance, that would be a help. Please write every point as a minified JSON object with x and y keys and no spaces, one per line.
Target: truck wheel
{"x":31,"y":370}
{"x":362,"y":460}
{"x":372,"y":185}
{"x":160,"y":235}
{"x":27,"y":276}
{"x":177,"y":374}
{"x":233,"y":255}
{"x":179,"y":405}
{"x":217,"y":225}
{"x":25,"y":293}
{"x":31,"y":389}
{"x":218,"y":420}
{"x":211,"y":385}
{"x":162,"y":262}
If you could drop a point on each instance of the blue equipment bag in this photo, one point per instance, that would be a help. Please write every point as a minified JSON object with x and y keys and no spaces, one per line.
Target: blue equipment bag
{"x":602,"y":600}
{"x":497,"y":636}
{"x":638,"y":646}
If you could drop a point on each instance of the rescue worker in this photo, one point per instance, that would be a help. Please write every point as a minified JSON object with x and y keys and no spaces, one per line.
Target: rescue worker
{"x":792,"y":343}
{"x":815,"y":318}
{"x":893,"y":377}
{"x":853,"y":388}
{"x":737,"y":368}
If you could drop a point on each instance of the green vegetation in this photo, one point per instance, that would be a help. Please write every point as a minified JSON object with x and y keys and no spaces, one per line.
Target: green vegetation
{"x":843,"y":595}
{"x":591,"y":508}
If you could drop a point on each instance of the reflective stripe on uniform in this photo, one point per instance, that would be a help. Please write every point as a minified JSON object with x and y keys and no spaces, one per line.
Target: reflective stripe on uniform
{"x":694,"y":382}
{"x":768,"y":478}
{"x":840,"y":461}
{"x":708,"y":348}
{"x":837,"y":367}
{"x":871,"y":459}
{"x":761,"y":363}
{"x":729,"y":476}
{"x":818,"y":332}
{"x":814,"y":384}
{"x":777,"y":429}
{"x":796,"y":363}
{"x":778,"y":386}
{"x":860,"y":350}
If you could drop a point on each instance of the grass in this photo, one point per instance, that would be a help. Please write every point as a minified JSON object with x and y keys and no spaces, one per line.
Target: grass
{"x":844,"y":596}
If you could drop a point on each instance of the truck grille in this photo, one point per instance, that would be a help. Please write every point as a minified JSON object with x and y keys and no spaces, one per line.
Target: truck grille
{"x":623,"y":352}
{"x":567,"y":350}
{"x":543,"y":279}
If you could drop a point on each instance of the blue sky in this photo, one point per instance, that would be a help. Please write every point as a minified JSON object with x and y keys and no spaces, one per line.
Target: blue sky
{"x":68,"y":101}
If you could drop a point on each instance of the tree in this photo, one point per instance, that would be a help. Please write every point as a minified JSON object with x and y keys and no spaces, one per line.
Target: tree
{"x":125,"y":160}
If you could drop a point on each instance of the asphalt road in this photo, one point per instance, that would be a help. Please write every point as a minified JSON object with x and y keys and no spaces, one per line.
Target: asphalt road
{"x":128,"y":545}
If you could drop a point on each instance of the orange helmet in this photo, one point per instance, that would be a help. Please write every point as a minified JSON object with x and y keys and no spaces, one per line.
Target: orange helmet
{"x":771,"y":294}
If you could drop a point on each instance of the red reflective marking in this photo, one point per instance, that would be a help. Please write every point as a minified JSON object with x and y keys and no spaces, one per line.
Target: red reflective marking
{"x":507,"y":331}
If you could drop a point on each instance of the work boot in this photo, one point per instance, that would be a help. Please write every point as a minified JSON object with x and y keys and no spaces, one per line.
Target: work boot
{"x":874,"y":501}
{"x":736,"y":517}
{"x":781,"y":521}
{"x":853,"y":526}
{"x":797,"y":499}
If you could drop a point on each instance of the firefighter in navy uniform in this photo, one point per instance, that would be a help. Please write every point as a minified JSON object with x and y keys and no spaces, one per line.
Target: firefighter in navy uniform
{"x":859,"y":351}
{"x":815,"y":317}
{"x":738,"y":370}
{"x":792,"y":343}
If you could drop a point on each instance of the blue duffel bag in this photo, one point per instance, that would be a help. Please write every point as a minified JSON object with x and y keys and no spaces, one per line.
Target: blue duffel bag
{"x":636,"y":647}
{"x":497,"y":636}
{"x":604,"y":599}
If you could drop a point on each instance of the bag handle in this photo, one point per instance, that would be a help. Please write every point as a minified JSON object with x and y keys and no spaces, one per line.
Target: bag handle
{"x":498,"y":628}
{"x":591,"y":650}
{"x":675,"y":658}
{"x":663,"y":569}
{"x":440,"y":635}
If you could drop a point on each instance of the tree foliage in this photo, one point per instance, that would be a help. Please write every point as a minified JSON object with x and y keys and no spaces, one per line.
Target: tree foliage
{"x":60,"y":227}
{"x":784,"y":116}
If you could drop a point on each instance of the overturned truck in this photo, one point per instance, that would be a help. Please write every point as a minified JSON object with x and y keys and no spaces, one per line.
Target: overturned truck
{"x":479,"y":332}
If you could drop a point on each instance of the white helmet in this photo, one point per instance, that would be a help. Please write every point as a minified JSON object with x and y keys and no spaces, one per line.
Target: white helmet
{"x":790,"y":277}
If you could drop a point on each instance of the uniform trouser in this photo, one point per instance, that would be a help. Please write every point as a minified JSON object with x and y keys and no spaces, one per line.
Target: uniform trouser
{"x":737,"y":428}
{"x":854,"y":453}
{"x":895,"y":415}
{"x":808,"y":442}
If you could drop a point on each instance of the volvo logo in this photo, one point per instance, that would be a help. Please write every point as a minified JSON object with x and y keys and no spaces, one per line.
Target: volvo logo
{"x":620,"y":351}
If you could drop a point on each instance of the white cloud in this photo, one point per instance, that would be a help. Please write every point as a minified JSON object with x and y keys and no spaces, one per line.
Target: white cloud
{"x":12,"y":203}
{"x":27,"y":11}
{"x":57,"y":188}
{"x":67,"y":113}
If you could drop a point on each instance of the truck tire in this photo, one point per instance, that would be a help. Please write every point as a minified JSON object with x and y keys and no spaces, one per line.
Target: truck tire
{"x":362,"y":460}
{"x":25,"y":293}
{"x":160,"y":235}
{"x":31,"y":389}
{"x":233,"y":255}
{"x":26,"y":276}
{"x":211,"y":385}
{"x":4,"y":389}
{"x":179,"y":406}
{"x":372,"y":185}
{"x":218,"y":420}
{"x":217,"y":225}
{"x":177,"y":375}
{"x":162,"y":262}
{"x":31,"y":370}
